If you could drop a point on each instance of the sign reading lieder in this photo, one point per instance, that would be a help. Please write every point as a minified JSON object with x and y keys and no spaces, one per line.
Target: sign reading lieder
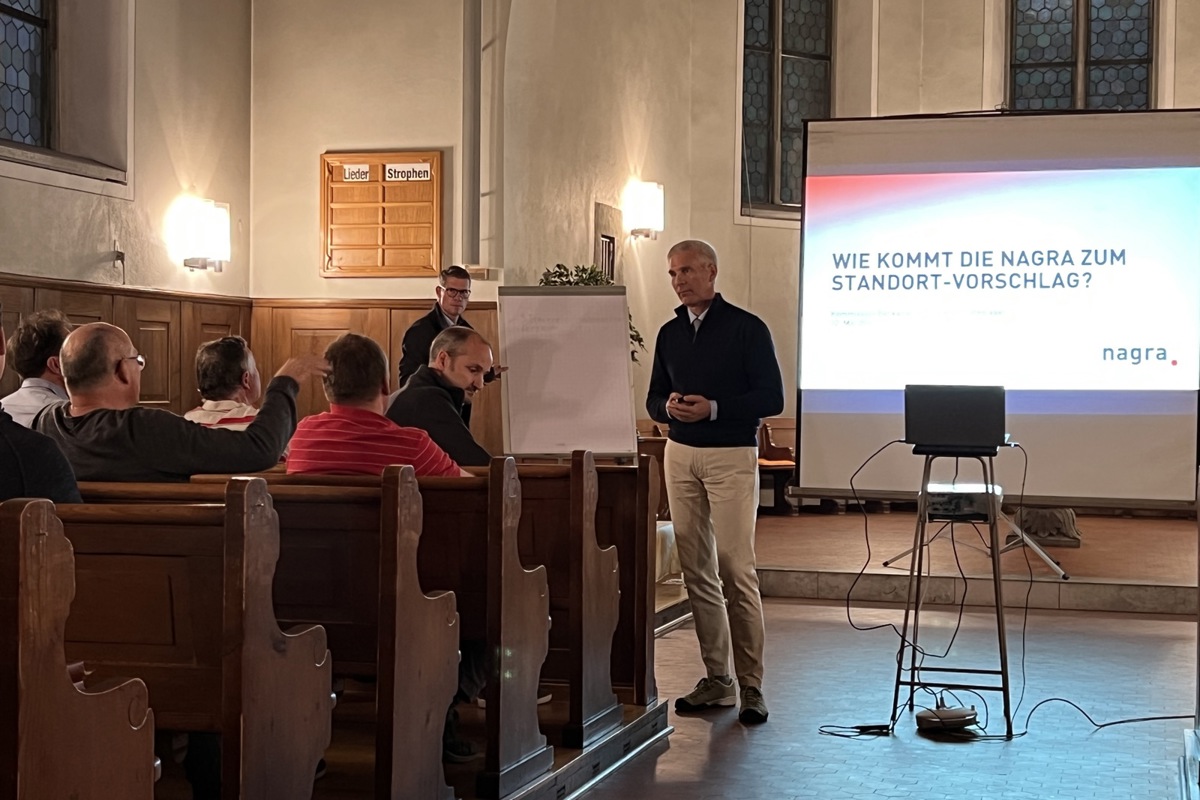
{"x":356,"y":173}
{"x":407,"y":172}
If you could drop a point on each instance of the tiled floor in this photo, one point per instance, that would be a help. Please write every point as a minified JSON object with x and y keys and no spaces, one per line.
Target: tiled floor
{"x":822,"y":672}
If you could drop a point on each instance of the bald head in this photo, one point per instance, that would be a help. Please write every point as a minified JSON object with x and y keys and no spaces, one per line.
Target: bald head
{"x":92,"y":356}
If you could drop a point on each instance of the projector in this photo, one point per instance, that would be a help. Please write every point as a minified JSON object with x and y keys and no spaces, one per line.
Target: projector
{"x":960,"y":502}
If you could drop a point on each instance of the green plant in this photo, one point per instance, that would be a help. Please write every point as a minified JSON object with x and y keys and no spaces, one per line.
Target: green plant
{"x":579,"y":275}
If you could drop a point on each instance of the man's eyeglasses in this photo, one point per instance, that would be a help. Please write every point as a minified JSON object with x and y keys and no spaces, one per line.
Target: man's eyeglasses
{"x":139,"y":358}
{"x":462,"y":294}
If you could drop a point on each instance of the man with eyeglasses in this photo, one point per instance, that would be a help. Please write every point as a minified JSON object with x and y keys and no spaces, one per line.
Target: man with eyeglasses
{"x":107,"y":436}
{"x":453,"y":291}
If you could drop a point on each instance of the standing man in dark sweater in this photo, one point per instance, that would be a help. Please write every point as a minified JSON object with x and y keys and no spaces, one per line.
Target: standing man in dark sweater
{"x":714,"y":378}
{"x":453,"y":291}
{"x":31,"y":465}
{"x":107,"y":436}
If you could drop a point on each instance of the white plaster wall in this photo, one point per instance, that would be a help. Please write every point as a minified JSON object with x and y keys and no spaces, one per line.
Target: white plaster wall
{"x":759,"y":265}
{"x":855,"y":59}
{"x":1187,"y":54}
{"x":595,"y":94}
{"x":191,"y":133}
{"x":940,"y":56}
{"x":331,"y":75}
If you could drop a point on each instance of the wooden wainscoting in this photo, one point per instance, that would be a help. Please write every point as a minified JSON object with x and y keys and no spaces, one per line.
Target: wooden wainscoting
{"x":284,"y":328}
{"x":166,"y":327}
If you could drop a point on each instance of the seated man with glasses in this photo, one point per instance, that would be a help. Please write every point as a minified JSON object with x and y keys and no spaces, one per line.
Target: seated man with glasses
{"x":453,"y":291}
{"x":107,"y":436}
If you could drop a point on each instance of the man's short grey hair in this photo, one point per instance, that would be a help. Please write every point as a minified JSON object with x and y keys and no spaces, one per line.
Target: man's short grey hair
{"x":705,"y":250}
{"x":220,"y":365}
{"x":453,"y":342}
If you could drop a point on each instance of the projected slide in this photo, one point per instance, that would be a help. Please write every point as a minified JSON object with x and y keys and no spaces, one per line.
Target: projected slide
{"x":1047,"y":280}
{"x":1055,"y":255}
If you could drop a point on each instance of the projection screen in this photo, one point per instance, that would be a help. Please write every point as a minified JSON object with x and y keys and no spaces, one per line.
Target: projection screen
{"x":1055,"y":255}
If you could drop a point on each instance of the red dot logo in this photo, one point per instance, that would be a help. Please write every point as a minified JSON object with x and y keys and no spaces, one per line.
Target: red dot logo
{"x":1174,"y":363}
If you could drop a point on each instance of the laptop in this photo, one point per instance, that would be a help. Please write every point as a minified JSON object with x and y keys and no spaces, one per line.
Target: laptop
{"x":954,"y":420}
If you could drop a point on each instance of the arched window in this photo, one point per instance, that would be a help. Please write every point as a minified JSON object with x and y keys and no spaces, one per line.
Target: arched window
{"x":786,"y":79}
{"x":1093,"y":54}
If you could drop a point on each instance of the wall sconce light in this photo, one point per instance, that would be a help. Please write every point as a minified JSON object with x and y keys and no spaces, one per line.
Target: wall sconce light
{"x":642,"y":206}
{"x":197,"y":234}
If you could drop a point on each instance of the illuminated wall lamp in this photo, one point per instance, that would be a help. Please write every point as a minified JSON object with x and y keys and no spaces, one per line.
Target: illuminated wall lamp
{"x":642,"y":207}
{"x":197,"y":233}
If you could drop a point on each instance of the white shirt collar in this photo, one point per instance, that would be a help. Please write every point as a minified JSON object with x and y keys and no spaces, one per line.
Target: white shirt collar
{"x":41,"y":383}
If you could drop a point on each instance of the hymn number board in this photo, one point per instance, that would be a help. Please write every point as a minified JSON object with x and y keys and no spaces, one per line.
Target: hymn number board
{"x":381,"y":214}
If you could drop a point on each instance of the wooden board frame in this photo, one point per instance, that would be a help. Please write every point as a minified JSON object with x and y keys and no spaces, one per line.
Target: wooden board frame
{"x":377,"y":228}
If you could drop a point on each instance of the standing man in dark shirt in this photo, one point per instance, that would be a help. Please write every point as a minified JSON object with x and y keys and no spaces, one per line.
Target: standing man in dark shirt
{"x":453,"y":291}
{"x":31,"y":465}
{"x":107,"y":436}
{"x":714,"y":378}
{"x":435,"y":395}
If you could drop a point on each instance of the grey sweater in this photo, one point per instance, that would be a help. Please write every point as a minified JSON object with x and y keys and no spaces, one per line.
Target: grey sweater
{"x":153,"y":445}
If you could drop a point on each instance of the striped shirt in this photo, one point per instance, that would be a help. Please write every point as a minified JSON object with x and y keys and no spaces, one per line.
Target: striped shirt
{"x":346,"y":440}
{"x":228,"y":414}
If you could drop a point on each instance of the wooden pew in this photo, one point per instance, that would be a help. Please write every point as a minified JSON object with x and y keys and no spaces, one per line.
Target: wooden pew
{"x":624,"y":515}
{"x":417,"y":652}
{"x":776,"y":465}
{"x":332,"y":579}
{"x":625,"y":519}
{"x":58,"y":739}
{"x":180,"y":595}
{"x":558,"y":529}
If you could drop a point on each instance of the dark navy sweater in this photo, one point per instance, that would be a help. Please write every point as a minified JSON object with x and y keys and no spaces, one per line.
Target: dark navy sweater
{"x":731,"y":360}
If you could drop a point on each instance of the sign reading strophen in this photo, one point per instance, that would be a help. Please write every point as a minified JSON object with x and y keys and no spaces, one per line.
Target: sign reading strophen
{"x":407,"y":172}
{"x":381,"y":214}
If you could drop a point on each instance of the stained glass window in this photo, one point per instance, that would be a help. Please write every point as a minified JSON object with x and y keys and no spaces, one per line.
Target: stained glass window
{"x":786,"y":79}
{"x":24,"y":53}
{"x":1095,"y":54}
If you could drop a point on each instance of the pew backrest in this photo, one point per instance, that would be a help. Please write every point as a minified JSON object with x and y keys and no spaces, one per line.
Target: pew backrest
{"x":179,"y":594}
{"x":58,"y":738}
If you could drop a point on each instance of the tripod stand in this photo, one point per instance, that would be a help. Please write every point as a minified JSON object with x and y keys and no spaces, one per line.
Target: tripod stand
{"x":1016,"y":537}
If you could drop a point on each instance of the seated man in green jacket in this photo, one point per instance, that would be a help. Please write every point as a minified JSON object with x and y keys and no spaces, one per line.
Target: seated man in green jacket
{"x":107,"y":436}
{"x":433,"y":398}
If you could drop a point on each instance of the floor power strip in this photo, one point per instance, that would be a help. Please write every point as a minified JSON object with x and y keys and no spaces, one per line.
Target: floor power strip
{"x":946,"y":718}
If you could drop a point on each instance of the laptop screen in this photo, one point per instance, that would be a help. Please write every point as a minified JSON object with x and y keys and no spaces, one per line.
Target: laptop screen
{"x":954,"y":418}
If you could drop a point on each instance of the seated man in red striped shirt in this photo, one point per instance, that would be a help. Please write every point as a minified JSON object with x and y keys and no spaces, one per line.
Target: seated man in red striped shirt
{"x":354,"y":437}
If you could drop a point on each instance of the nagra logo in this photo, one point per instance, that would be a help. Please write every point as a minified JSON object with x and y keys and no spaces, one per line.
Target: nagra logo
{"x":1137,"y":355}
